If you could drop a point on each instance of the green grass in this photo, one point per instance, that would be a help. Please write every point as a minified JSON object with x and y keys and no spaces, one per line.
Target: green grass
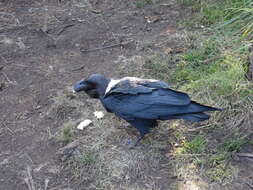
{"x":67,"y":133}
{"x":234,"y":144}
{"x":240,"y":16}
{"x":158,"y":67}
{"x":195,"y":146}
{"x":192,"y":65}
{"x":213,"y":71}
{"x":210,"y":68}
{"x":142,"y":3}
{"x":88,"y":158}
{"x":236,"y":14}
{"x":220,"y":173}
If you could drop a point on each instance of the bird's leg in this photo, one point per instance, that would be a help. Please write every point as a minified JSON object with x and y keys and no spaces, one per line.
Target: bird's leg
{"x":137,"y":141}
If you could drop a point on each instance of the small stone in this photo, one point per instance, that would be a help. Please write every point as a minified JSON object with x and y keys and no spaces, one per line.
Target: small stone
{"x":4,"y":162}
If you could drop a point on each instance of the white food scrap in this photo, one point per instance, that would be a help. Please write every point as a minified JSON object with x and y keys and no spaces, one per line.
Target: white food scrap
{"x":84,"y":124}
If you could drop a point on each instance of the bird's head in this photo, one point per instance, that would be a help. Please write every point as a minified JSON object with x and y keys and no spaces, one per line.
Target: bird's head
{"x":95,"y":85}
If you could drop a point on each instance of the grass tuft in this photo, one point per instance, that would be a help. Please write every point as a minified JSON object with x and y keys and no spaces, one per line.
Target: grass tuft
{"x":209,"y":69}
{"x":234,"y":144}
{"x":88,"y":158}
{"x":231,"y":14}
{"x":67,"y":132}
{"x":158,"y":67}
{"x":142,"y":3}
{"x":195,"y":146}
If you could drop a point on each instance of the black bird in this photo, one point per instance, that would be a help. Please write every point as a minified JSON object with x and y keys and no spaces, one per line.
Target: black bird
{"x":141,"y":102}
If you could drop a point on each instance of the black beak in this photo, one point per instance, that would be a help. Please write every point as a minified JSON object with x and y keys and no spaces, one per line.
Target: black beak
{"x":87,"y":87}
{"x":81,"y":86}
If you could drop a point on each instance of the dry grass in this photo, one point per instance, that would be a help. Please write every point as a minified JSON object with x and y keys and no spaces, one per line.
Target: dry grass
{"x":104,"y":161}
{"x":200,"y":155}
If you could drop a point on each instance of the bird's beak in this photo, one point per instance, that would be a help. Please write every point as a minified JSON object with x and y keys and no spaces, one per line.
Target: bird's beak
{"x":80,"y":86}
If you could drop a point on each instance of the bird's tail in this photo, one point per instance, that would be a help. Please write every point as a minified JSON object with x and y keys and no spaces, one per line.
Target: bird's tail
{"x":195,"y":112}
{"x":194,"y":117}
{"x":195,"y":107}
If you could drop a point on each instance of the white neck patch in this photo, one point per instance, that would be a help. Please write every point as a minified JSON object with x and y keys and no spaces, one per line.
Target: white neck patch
{"x":111,"y":84}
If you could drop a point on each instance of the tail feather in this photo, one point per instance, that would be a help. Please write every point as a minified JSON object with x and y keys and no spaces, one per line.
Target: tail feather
{"x":195,"y":107}
{"x":193,"y":112}
{"x":195,"y":117}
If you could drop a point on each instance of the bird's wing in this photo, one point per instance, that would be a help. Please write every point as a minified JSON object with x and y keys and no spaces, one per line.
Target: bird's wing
{"x":131,"y":85}
{"x":148,"y":101}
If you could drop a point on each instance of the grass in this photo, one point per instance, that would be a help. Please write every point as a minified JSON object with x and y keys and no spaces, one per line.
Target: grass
{"x":103,"y":160}
{"x":236,"y":15}
{"x":67,"y":134}
{"x":142,"y":3}
{"x":88,"y":169}
{"x":194,"y":146}
{"x":234,"y":144}
{"x":214,"y":72}
{"x":209,"y":69}
{"x":158,"y":67}
{"x":88,"y":158}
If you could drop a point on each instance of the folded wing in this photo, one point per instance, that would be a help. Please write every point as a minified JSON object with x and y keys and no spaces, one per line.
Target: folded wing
{"x":152,"y":101}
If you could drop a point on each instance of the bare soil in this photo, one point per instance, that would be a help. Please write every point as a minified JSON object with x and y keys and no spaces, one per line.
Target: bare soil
{"x":46,"y":46}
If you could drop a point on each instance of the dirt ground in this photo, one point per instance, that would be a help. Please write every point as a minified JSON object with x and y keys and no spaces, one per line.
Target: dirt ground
{"x":46,"y":46}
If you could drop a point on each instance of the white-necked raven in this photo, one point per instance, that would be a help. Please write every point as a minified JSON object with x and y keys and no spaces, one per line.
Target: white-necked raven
{"x":141,"y":102}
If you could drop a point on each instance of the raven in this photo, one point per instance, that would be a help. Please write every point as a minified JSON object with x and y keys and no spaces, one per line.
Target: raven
{"x":141,"y":102}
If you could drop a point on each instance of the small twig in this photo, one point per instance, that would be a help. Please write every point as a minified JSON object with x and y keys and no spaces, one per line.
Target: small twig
{"x":166,"y":4}
{"x":211,"y":59}
{"x":29,"y":180}
{"x":27,"y":155}
{"x":7,"y":78}
{"x":25,"y":66}
{"x":249,"y":155}
{"x":251,"y":186}
{"x":198,"y":128}
{"x":105,"y":47}
{"x":250,"y":99}
{"x":46,"y":17}
{"x":27,"y":183}
{"x":100,"y":48}
{"x":64,"y":28}
{"x":2,"y":57}
{"x":225,"y":168}
{"x":79,"y":68}
{"x":174,"y":154}
{"x":8,"y":128}
{"x":46,"y":184}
